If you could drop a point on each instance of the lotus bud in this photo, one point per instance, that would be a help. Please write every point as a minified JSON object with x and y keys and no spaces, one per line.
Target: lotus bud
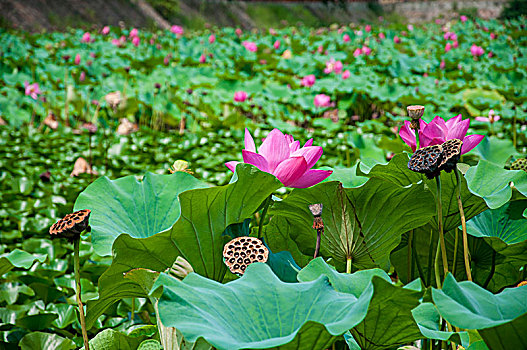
{"x":415,"y":112}
{"x":181,"y":268}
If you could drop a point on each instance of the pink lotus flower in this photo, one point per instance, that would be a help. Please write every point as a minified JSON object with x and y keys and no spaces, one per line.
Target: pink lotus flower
{"x":178,"y":30}
{"x":320,"y":49}
{"x":410,"y":27}
{"x":308,"y":80}
{"x":357,"y":52}
{"x":32,"y":90}
{"x":438,"y":131}
{"x":322,"y":100}
{"x":212,"y":38}
{"x":133,"y":33}
{"x":463,"y":18}
{"x":366,"y":50}
{"x":77,"y":60}
{"x":476,"y":50}
{"x":442,"y":65}
{"x":333,"y":66}
{"x":492,"y":118}
{"x":448,"y":47}
{"x":202,"y":58}
{"x":455,"y":44}
{"x":86,"y":37}
{"x":367,"y":28}
{"x":116,"y":42}
{"x":82,"y":76}
{"x":272,"y":31}
{"x":136,"y":41}
{"x":240,"y":96}
{"x":238,"y":32}
{"x":450,"y":36}
{"x":382,"y":36}
{"x":250,"y":46}
{"x":281,"y":156}
{"x":346,"y":38}
{"x":105,"y":30}
{"x":493,"y":36}
{"x":346,"y":74}
{"x":276,"y":44}
{"x":396,"y":39}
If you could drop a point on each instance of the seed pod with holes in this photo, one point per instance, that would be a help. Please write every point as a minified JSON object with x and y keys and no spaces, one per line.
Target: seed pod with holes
{"x":72,"y":225}
{"x":415,"y":112}
{"x":519,"y":164}
{"x":243,"y":251}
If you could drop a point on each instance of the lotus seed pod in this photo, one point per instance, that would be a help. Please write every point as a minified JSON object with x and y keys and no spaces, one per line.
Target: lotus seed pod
{"x":243,"y":251}
{"x":72,"y":225}
{"x":415,"y":113}
{"x":519,"y":164}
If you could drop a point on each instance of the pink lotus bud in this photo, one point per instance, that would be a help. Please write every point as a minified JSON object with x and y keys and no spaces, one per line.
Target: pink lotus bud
{"x":337,"y":67}
{"x":455,"y":44}
{"x":476,"y":51}
{"x":320,"y":49}
{"x":86,"y":37}
{"x":346,"y":38}
{"x":212,"y":38}
{"x":105,"y":30}
{"x":442,"y":65}
{"x":396,"y":39}
{"x":453,"y":36}
{"x":240,"y":96}
{"x":463,"y":18}
{"x":358,"y":32}
{"x":490,"y":54}
{"x":202,"y":58}
{"x":438,"y":21}
{"x":136,"y":41}
{"x":133,"y":33}
{"x":77,"y":59}
{"x":366,"y":50}
{"x":93,"y":55}
{"x":251,"y":46}
{"x":410,"y":27}
{"x":178,"y":30}
{"x":357,"y":52}
{"x":425,"y":74}
{"x":116,"y":42}
{"x":322,"y":100}
{"x":346,"y":74}
{"x":308,"y":80}
{"x":276,"y":44}
{"x":238,"y":32}
{"x":166,"y":60}
{"x":448,"y":47}
{"x":367,"y":28}
{"x":82,"y":77}
{"x":493,"y":36}
{"x":382,"y":36}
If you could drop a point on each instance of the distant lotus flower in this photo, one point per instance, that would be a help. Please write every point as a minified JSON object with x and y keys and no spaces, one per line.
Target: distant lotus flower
{"x":493,"y":36}
{"x":287,"y":54}
{"x":82,"y":77}
{"x":212,"y":38}
{"x":105,"y":30}
{"x":86,"y":37}
{"x":438,"y":131}
{"x":367,"y":28}
{"x":382,"y":36}
{"x":281,"y":156}
{"x":358,"y":32}
{"x":202,"y":58}
{"x":308,"y":80}
{"x":438,"y":21}
{"x":410,"y":27}
{"x":320,"y":49}
{"x":272,"y":31}
{"x":490,"y":54}
{"x":32,"y":90}
{"x":463,"y":18}
{"x":442,"y":65}
{"x":476,"y":51}
{"x":396,"y":39}
{"x":322,"y":100}
{"x":333,"y":66}
{"x":346,"y":74}
{"x":133,"y":33}
{"x":136,"y":40}
{"x":455,"y":44}
{"x":448,"y":47}
{"x":366,"y":50}
{"x":178,"y":30}
{"x":346,"y":38}
{"x":77,"y":59}
{"x":251,"y":46}
{"x":357,"y":52}
{"x":238,"y":32}
{"x":240,"y":96}
{"x":276,"y":44}
{"x":450,"y":36}
{"x":492,"y":118}
{"x":116,"y":42}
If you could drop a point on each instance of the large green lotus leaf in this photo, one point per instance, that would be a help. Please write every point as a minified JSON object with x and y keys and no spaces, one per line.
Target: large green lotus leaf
{"x":138,"y":208}
{"x":40,"y":340}
{"x":492,"y":183}
{"x":397,"y":171}
{"x":495,"y":150}
{"x":501,"y":319}
{"x":363,"y":223}
{"x":112,"y":339}
{"x":504,"y":229}
{"x":197,"y":236}
{"x":428,"y":320}
{"x":258,"y":311}
{"x":380,"y":329}
{"x":19,"y":258}
{"x":483,"y":258}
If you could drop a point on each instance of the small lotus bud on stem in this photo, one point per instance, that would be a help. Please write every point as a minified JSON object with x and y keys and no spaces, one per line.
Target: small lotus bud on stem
{"x":318,"y":224}
{"x":415,"y":112}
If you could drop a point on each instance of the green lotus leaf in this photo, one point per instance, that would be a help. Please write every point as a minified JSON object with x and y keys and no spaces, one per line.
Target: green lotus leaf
{"x":112,"y":339}
{"x":258,"y":311}
{"x":380,"y":329}
{"x":363,"y":223}
{"x":397,"y":172}
{"x":19,"y":258}
{"x":495,"y":150}
{"x":504,"y":229}
{"x":428,"y":320}
{"x":138,"y":208}
{"x":40,"y":340}
{"x":492,"y":183}
{"x":501,"y":319}
{"x":198,"y":236}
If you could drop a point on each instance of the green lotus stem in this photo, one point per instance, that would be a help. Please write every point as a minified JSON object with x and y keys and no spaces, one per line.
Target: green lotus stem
{"x":264,"y":213}
{"x":454,"y":261}
{"x":466,"y":252}
{"x":436,"y":266}
{"x":440,"y":225}
{"x":492,"y":270}
{"x":76,"y":267}
{"x":416,"y":138}
{"x":348,"y":265}
{"x":133,"y":309}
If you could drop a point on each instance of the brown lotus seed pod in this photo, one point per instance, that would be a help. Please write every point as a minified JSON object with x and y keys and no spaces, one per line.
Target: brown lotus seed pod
{"x":243,"y":251}
{"x":72,"y":225}
{"x":415,"y":113}
{"x":519,"y":164}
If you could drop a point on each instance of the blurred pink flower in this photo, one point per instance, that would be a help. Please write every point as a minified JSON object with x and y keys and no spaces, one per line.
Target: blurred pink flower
{"x":346,"y":74}
{"x":463,"y":18}
{"x":438,"y":131}
{"x":382,"y":36}
{"x":212,"y":38}
{"x":32,"y":90}
{"x":136,"y":40}
{"x":358,"y":32}
{"x":448,"y":47}
{"x":346,"y":38}
{"x":272,"y":31}
{"x":367,"y":28}
{"x":276,"y":44}
{"x":281,"y":156}
{"x":240,"y":96}
{"x":455,"y":44}
{"x":86,"y":37}
{"x":308,"y":80}
{"x":320,"y":49}
{"x":77,"y":60}
{"x":366,"y":50}
{"x":238,"y":31}
{"x":116,"y":42}
{"x":410,"y":27}
{"x":202,"y":58}
{"x":178,"y":30}
{"x":251,"y":46}
{"x":105,"y":30}
{"x":493,"y":36}
{"x":133,"y":33}
{"x":333,"y":66}
{"x":396,"y":39}
{"x":357,"y":52}
{"x":490,"y":54}
{"x":82,"y":76}
{"x":450,"y":36}
{"x":492,"y":118}
{"x":442,"y":65}
{"x":476,"y":51}
{"x":322,"y":100}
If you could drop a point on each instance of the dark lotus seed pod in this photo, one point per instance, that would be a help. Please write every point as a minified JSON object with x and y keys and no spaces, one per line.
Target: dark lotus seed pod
{"x":72,"y":225}
{"x":243,"y":251}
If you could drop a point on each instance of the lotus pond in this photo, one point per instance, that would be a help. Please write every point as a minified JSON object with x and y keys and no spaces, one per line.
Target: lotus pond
{"x":265,"y":189}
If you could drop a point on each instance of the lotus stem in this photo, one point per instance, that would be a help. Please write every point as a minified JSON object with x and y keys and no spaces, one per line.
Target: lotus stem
{"x":466,"y":252}
{"x":440,"y":225}
{"x":76,"y":267}
{"x":514,"y":126}
{"x":66,"y":104}
{"x":416,"y":138}
{"x":264,"y":213}
{"x":430,"y":257}
{"x":317,"y":247}
{"x":436,"y":266}
{"x":454,"y":260}
{"x":348,"y":264}
{"x":133,"y":310}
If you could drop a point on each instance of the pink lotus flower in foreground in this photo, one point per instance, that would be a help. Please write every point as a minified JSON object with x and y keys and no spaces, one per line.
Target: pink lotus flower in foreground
{"x":178,"y":30}
{"x":240,"y":96}
{"x":249,"y":45}
{"x":105,"y":30}
{"x":308,"y":80}
{"x":322,"y":100}
{"x":32,"y":90}
{"x":463,"y":18}
{"x":86,"y":37}
{"x":476,"y":50}
{"x":281,"y":156}
{"x":438,"y":131}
